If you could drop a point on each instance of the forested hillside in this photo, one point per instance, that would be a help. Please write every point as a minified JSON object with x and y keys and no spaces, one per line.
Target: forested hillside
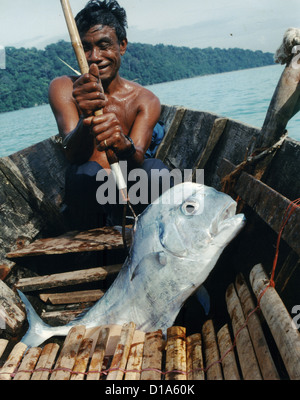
{"x":24,"y":83}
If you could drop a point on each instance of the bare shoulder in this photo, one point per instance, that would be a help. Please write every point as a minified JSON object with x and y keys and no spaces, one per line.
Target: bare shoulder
{"x":61,"y":86}
{"x":143,"y":97}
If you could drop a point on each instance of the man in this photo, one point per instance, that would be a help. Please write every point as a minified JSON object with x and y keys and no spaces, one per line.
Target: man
{"x":130,"y":113}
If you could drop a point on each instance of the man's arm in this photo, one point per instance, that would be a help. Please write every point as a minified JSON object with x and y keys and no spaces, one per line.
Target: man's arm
{"x":71,"y":103}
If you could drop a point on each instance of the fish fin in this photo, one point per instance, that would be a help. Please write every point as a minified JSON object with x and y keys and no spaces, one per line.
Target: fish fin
{"x":150,"y":260}
{"x":204,"y":298}
{"x":38,"y":330}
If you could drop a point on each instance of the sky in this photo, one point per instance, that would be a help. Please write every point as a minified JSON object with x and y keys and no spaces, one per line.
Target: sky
{"x":247,"y":24}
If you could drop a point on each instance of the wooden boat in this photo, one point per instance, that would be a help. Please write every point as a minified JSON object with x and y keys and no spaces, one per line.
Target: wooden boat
{"x":252,"y":331}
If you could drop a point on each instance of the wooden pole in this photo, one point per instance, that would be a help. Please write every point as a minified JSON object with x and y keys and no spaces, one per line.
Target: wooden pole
{"x":247,"y":358}
{"x":211,"y":352}
{"x":286,"y":335}
{"x":152,"y":357}
{"x":176,"y":353}
{"x":229,"y":365}
{"x":194,"y":357}
{"x":263,"y":354}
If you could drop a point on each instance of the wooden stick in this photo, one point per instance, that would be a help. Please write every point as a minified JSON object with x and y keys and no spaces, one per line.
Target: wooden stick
{"x":263,"y":354}
{"x":12,"y":362}
{"x":3,"y":344}
{"x":211,"y":352}
{"x":134,"y":364}
{"x":119,"y":361}
{"x":152,"y":358}
{"x":98,"y":356}
{"x":176,"y":353}
{"x":74,"y":36}
{"x":229,"y":365}
{"x":194,"y":357}
{"x":27,"y":366}
{"x":68,"y":354}
{"x":286,"y":335}
{"x":247,"y":358}
{"x":46,"y":362}
{"x":82,"y":360}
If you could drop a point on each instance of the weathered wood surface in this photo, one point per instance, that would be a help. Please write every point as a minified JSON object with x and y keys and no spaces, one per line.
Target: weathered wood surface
{"x":99,"y":239}
{"x":12,"y":316}
{"x":28,"y":364}
{"x":72,"y":297}
{"x":67,"y":278}
{"x":247,"y":358}
{"x":119,"y":361}
{"x":286,"y":335}
{"x":270,"y":205}
{"x":45,"y":363}
{"x":176,"y":366}
{"x":195,"y":364}
{"x":97,"y":358}
{"x":152,"y":358}
{"x":227,"y":355}
{"x":262,"y":351}
{"x":12,"y":362}
{"x":211,"y":352}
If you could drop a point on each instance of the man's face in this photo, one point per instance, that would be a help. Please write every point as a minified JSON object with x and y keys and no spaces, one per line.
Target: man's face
{"x":102,"y":47}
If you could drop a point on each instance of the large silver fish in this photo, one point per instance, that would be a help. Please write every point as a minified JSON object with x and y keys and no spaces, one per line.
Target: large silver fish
{"x":177,"y":242}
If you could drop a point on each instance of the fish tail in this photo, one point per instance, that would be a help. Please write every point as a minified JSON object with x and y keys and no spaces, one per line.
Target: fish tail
{"x":38,"y":331}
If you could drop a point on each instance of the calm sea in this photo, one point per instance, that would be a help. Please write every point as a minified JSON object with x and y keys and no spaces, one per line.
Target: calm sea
{"x":240,"y":95}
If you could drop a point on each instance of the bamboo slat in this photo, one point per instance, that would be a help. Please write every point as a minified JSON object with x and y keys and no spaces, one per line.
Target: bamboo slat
{"x":261,"y":348}
{"x":28,"y":364}
{"x":286,"y":336}
{"x":229,"y":365}
{"x":211,"y":352}
{"x":67,"y":358}
{"x":195,"y":366}
{"x":176,"y":353}
{"x":247,"y":358}
{"x":119,"y":361}
{"x":96,"y":363}
{"x":82,"y":360}
{"x":3,"y":345}
{"x":134,"y":364}
{"x":152,"y":358}
{"x":12,"y":362}
{"x":45,"y":363}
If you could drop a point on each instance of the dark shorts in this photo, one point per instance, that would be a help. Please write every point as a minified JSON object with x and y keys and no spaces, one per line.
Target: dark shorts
{"x":83,"y":211}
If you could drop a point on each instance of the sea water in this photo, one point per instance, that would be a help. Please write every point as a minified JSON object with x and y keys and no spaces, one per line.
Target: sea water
{"x":241,"y":95}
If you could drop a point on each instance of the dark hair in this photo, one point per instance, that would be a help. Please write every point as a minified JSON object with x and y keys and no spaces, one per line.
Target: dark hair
{"x":103,"y":12}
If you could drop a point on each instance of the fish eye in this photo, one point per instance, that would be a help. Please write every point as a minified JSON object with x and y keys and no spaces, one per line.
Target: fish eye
{"x":190,"y":207}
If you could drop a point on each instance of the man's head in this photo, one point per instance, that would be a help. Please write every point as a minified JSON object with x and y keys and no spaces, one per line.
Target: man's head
{"x":103,"y":12}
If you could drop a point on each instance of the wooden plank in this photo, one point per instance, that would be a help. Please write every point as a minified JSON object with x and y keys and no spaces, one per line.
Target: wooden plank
{"x":96,"y":363}
{"x":82,"y":360}
{"x":119,"y":361}
{"x":270,"y":205}
{"x":67,"y":278}
{"x":67,"y":357}
{"x":211,"y":352}
{"x":176,"y":353}
{"x":213,"y":139}
{"x":13,"y":361}
{"x":60,"y":317}
{"x":28,"y":364}
{"x":152,"y":358}
{"x":195,"y":365}
{"x":3,"y":345}
{"x":11,"y":315}
{"x":262,"y":351}
{"x":171,"y":131}
{"x":134,"y":364}
{"x":106,"y":238}
{"x":72,"y":297}
{"x":285,"y":333}
{"x":229,"y":365}
{"x":45,"y":363}
{"x":247,"y":358}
